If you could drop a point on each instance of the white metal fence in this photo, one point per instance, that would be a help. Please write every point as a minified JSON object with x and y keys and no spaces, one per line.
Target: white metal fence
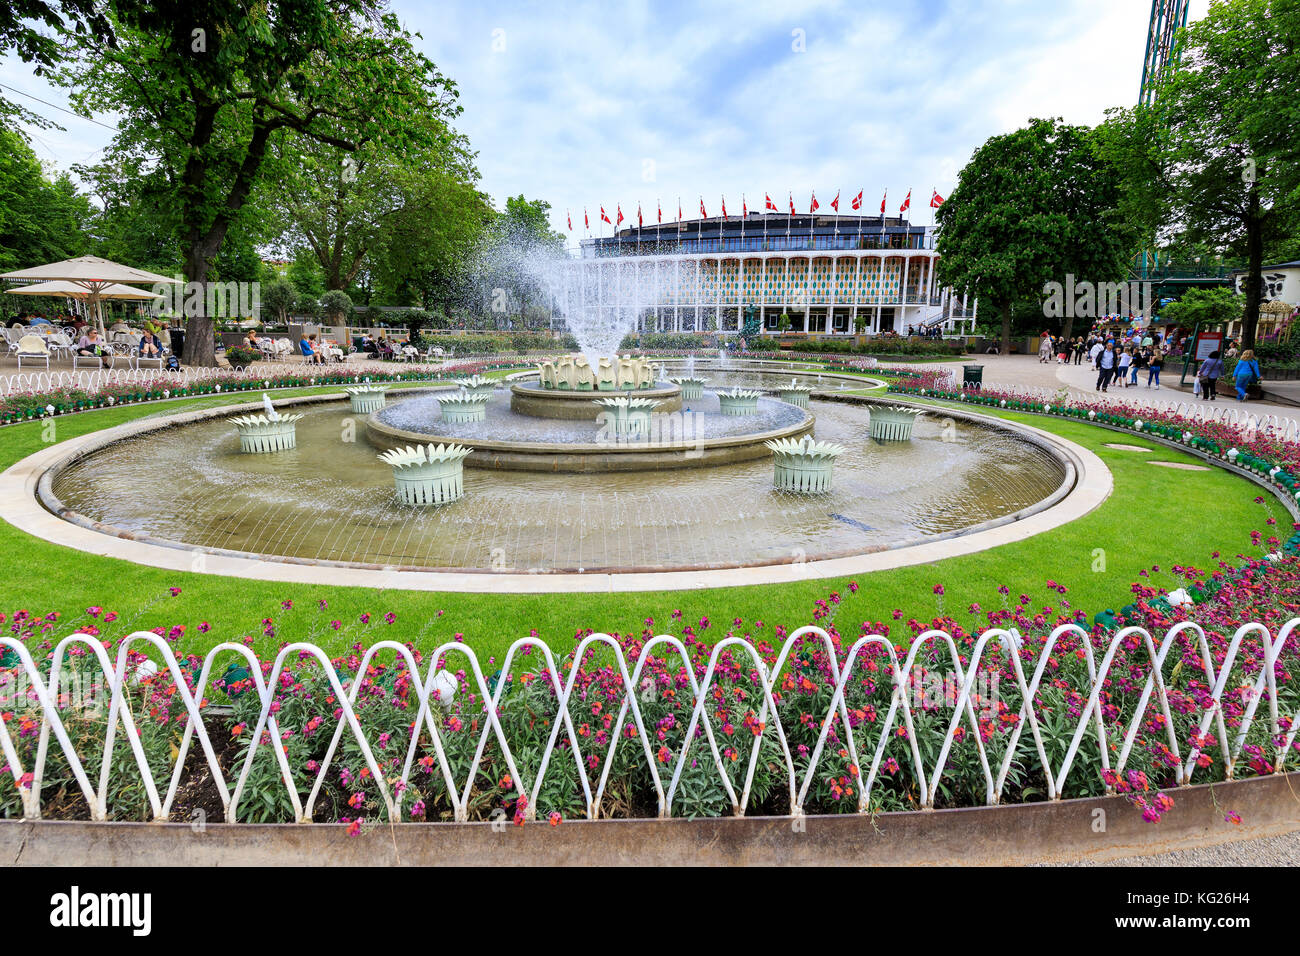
{"x":1250,"y":685}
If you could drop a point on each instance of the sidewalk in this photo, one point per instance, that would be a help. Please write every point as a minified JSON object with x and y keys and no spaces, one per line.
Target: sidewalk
{"x":1080,"y":382}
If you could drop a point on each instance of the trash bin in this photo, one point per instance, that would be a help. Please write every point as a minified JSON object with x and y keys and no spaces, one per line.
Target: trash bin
{"x":178,"y":342}
{"x":973,"y":378}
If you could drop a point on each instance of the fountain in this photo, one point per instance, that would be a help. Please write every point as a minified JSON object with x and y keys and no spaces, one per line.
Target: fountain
{"x":892,"y":422}
{"x":691,"y":386}
{"x":795,"y":394}
{"x":366,"y":398}
{"x":804,"y":465}
{"x":476,"y":385}
{"x":739,"y":401}
{"x":428,"y":474}
{"x":626,"y":418}
{"x":259,"y":434}
{"x":463,"y":407}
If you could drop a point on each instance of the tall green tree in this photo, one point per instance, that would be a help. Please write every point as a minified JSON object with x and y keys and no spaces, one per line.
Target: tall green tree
{"x":202,"y":87}
{"x":342,"y":205}
{"x":1029,"y":208}
{"x":1216,"y":159}
{"x":37,"y":31}
{"x":41,"y":220}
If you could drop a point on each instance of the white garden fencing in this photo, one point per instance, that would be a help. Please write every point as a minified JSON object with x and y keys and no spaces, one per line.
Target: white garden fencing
{"x":1250,"y":687}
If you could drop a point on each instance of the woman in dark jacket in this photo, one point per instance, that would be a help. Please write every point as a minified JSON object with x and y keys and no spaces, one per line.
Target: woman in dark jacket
{"x":1208,"y":375}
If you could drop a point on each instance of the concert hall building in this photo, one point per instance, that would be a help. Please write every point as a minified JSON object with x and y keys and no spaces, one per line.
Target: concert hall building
{"x":826,"y":274}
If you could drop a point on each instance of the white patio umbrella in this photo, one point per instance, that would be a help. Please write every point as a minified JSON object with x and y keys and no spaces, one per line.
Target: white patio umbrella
{"x":92,"y":275}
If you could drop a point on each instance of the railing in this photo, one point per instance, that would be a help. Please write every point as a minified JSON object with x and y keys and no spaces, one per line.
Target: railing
{"x":610,"y":248}
{"x":1243,"y":669}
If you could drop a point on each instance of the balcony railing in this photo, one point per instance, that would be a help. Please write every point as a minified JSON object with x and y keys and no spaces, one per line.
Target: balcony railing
{"x":613,"y":248}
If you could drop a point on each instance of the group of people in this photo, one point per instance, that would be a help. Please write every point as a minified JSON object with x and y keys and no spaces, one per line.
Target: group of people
{"x":1121,"y":365}
{"x":925,"y":332}
{"x":1245,"y":374}
{"x":91,"y":344}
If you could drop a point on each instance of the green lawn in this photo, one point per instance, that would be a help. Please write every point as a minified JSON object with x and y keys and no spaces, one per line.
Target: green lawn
{"x":1192,"y":514}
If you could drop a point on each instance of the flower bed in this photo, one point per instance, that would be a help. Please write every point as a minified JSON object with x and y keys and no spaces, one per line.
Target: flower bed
{"x":671,"y":720}
{"x":1261,"y":451}
{"x":61,"y":401}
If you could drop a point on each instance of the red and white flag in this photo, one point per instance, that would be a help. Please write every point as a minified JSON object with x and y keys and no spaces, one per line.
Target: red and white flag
{"x":569,"y":219}
{"x":586,"y":224}
{"x":857,"y":200}
{"x":882,"y":202}
{"x":703,"y":214}
{"x":620,"y":214}
{"x":744,"y":209}
{"x":792,"y":204}
{"x":605,"y":216}
{"x":936,"y":200}
{"x":724,"y":207}
{"x":907,"y":203}
{"x":660,"y":207}
{"x":771,"y":206}
{"x":638,"y":215}
{"x":835,"y":203}
{"x":812,"y":205}
{"x":679,"y":208}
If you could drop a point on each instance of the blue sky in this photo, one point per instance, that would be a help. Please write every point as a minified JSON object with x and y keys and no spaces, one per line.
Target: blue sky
{"x":584,"y":103}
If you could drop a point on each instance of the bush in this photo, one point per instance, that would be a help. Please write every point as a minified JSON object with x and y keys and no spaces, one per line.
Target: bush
{"x":238,"y":355}
{"x":337,"y":306}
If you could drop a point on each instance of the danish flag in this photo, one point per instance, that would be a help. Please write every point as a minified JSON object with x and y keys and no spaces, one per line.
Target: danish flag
{"x":770,"y":205}
{"x":936,"y":200}
{"x":604,"y":215}
{"x":907,"y":203}
{"x":792,"y":204}
{"x":620,"y":214}
{"x":744,"y":209}
{"x":835,"y":203}
{"x":638,"y":215}
{"x":812,"y":206}
{"x":660,"y":207}
{"x":585,"y":223}
{"x":569,"y":218}
{"x":724,"y":207}
{"x":857,"y":200}
{"x":703,"y":214}
{"x":679,"y":208}
{"x":882,"y":202}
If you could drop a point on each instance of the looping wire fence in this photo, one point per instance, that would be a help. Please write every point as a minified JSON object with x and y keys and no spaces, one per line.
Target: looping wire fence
{"x":1242,"y":671}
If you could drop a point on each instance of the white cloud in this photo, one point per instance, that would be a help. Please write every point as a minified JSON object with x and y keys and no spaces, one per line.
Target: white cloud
{"x":886,"y":94}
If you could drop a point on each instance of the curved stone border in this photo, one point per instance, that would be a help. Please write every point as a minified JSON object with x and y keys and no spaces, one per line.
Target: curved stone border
{"x":24,"y":484}
{"x":1053,"y":832}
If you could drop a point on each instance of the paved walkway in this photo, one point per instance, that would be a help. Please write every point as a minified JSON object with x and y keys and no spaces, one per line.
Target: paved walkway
{"x":1080,"y":382}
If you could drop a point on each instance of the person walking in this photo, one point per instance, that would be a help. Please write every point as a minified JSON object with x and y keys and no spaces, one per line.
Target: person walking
{"x":1208,"y":376}
{"x":1141,"y":360}
{"x":1095,"y":354}
{"x":1045,"y":348}
{"x":1105,"y":367}
{"x":1125,"y":361}
{"x":1245,"y":374}
{"x":1154,"y":365}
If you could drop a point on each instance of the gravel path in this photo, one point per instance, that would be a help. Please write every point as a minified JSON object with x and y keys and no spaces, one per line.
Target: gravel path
{"x":1281,"y":850}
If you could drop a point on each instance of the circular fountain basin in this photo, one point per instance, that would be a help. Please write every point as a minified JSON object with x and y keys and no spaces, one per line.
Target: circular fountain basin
{"x":690,"y":435}
{"x":957,"y":478}
{"x":530,"y":398}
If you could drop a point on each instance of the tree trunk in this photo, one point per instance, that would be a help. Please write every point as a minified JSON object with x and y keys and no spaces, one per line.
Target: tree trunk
{"x":1254,"y":270}
{"x":200,"y":337}
{"x":1006,"y":328}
